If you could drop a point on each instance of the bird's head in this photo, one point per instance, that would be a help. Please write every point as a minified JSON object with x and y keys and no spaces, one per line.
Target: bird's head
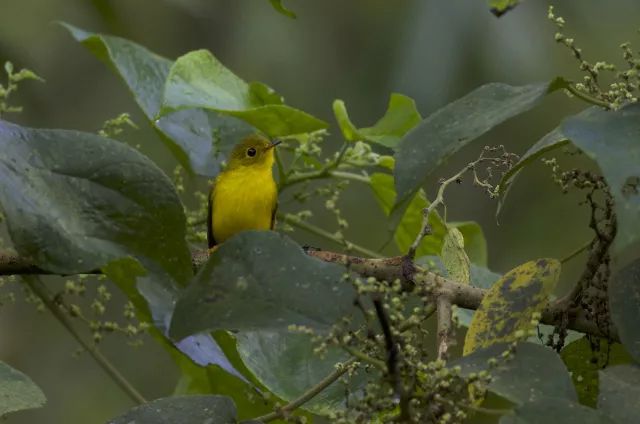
{"x":254,"y":151}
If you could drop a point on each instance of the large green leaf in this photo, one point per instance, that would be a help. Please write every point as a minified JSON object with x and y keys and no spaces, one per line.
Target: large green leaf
{"x":550,"y":142}
{"x":212,"y":379}
{"x":199,"y":80}
{"x":612,"y":140}
{"x":620,"y":393}
{"x":286,"y":364}
{"x":624,"y":298}
{"x":200,"y":140}
{"x":77,"y":202}
{"x":534,"y":371}
{"x":197,"y":409}
{"x":555,"y":410}
{"x":262,"y":280}
{"x":584,"y":364}
{"x":509,"y":305}
{"x":17,"y":391}
{"x":400,"y":117}
{"x":449,"y":129}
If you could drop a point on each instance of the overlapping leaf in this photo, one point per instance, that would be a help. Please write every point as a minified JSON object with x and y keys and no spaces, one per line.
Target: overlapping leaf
{"x":286,"y":364}
{"x":531,"y":373}
{"x":199,"y":80}
{"x":509,"y":305}
{"x":17,"y":391}
{"x":620,"y":393}
{"x":200,"y":140}
{"x":624,"y":298}
{"x":555,"y":410}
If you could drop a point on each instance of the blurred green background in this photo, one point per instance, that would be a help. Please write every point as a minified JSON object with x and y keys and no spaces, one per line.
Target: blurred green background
{"x":359,"y":51}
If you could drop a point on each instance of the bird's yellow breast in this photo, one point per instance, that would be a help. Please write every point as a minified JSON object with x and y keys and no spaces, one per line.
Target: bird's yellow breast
{"x":243,"y":199}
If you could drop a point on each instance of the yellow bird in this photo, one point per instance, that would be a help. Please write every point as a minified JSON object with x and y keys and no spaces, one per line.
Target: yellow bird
{"x":244,"y":196}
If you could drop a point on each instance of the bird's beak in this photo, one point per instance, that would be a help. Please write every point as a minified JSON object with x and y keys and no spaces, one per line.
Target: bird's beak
{"x":273,"y":144}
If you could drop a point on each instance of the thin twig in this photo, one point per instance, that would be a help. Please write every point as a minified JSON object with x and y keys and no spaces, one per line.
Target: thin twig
{"x":576,"y":252}
{"x":425,"y":229}
{"x":365,"y":358}
{"x":297,"y":222}
{"x":445,"y":327}
{"x":40,"y":290}
{"x":283,"y":412}
{"x":587,"y":98}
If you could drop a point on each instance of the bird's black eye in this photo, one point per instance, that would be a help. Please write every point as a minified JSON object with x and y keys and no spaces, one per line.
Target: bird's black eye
{"x":251,"y":152}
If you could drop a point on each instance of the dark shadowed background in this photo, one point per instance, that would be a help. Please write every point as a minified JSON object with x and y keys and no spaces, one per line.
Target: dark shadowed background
{"x":359,"y":51}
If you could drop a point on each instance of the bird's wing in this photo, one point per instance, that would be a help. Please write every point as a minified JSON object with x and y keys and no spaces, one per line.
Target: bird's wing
{"x":210,"y":239}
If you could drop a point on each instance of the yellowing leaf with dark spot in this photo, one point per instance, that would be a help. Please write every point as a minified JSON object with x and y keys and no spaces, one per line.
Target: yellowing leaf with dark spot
{"x":454,"y":257}
{"x":510,"y":304}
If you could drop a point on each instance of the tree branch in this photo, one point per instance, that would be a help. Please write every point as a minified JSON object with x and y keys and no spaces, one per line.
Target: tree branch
{"x":387,"y":269}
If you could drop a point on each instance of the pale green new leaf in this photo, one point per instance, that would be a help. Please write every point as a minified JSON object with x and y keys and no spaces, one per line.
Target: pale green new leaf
{"x":199,"y":80}
{"x":277,"y":5}
{"x":400,"y":117}
{"x":454,"y":257}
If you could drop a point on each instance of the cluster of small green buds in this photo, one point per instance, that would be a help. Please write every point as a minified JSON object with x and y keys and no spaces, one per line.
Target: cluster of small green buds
{"x":115,"y":126}
{"x":13,"y":79}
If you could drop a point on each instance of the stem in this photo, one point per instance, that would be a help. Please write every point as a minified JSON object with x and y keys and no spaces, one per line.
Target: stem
{"x":576,"y":252}
{"x":351,"y":176}
{"x":37,"y":287}
{"x":426,"y":212}
{"x":445,"y":328}
{"x":325,"y":172}
{"x":587,"y":98}
{"x":296,"y":222}
{"x":340,"y":370}
{"x":365,"y":358}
